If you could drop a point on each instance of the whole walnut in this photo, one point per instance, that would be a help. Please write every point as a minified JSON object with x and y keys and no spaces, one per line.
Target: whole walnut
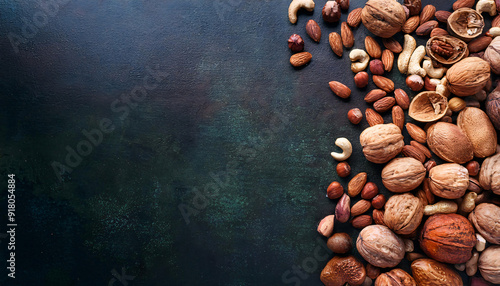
{"x":468,"y":76}
{"x":492,"y":55}
{"x":449,"y":181}
{"x":493,"y":107}
{"x":395,"y":277}
{"x":381,"y":142}
{"x":403,"y":174}
{"x":486,"y":218}
{"x":489,"y":264}
{"x":449,"y":143}
{"x":403,"y":213}
{"x":341,"y":270}
{"x":448,"y":238}
{"x":429,"y":272}
{"x":380,"y":247}
{"x":489,"y":174}
{"x":476,"y":125}
{"x":383,"y":18}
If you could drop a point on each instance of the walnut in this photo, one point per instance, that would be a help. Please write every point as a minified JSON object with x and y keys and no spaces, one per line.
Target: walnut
{"x":449,"y":181}
{"x":485,"y":219}
{"x":403,"y":213}
{"x":403,"y":174}
{"x":489,"y":264}
{"x":468,"y":76}
{"x":492,"y":55}
{"x":381,"y":142}
{"x":489,"y":174}
{"x":384,"y":18}
{"x":380,"y":246}
{"x":465,"y":24}
{"x":446,"y":49}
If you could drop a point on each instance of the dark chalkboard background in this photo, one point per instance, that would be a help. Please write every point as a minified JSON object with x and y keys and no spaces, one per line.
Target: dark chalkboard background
{"x":203,"y":114}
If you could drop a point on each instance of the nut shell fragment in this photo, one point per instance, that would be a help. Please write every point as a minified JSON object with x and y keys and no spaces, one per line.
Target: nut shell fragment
{"x":428,"y":106}
{"x":446,"y":49}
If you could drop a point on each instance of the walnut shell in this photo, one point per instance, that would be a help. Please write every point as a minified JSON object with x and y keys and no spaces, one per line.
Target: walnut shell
{"x":465,"y":24}
{"x":380,"y":246}
{"x":449,"y":143}
{"x":341,"y":270}
{"x":485,"y":218}
{"x":448,"y":238}
{"x":429,"y":272}
{"x":428,"y":106}
{"x":403,"y":174}
{"x":449,"y":181}
{"x":468,"y":76}
{"x":477,"y":126}
{"x":381,"y":142}
{"x":489,"y":174}
{"x":448,"y":57}
{"x":489,"y":264}
{"x":493,"y":107}
{"x":395,"y":277}
{"x":383,"y":18}
{"x":492,"y":55}
{"x":403,"y":213}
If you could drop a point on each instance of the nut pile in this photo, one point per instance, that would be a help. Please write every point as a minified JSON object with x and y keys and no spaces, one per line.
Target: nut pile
{"x":443,"y":211}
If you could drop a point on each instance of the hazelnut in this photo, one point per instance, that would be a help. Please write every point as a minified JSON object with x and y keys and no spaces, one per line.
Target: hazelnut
{"x":344,"y":4}
{"x":376,"y":67}
{"x":473,"y":168}
{"x":378,"y":201}
{"x":340,"y":242}
{"x":355,"y":115}
{"x":415,"y":82}
{"x":334,"y":190}
{"x":361,"y":79}
{"x":331,"y":12}
{"x":295,"y":43}
{"x":429,"y":85}
{"x":343,"y":169}
{"x":370,"y":190}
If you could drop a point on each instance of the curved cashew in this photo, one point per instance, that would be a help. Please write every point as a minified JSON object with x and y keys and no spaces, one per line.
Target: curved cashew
{"x":404,"y":57}
{"x":442,"y":87}
{"x":346,"y":146}
{"x":493,"y":32}
{"x":441,"y":207}
{"x":486,"y":6}
{"x":415,"y":59}
{"x":481,"y":242}
{"x":432,"y":71}
{"x":359,"y":59}
{"x":296,"y":5}
{"x":471,"y":265}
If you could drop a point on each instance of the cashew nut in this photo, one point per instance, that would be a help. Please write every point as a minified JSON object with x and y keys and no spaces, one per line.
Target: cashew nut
{"x":441,"y":207}
{"x":359,"y":59}
{"x":415,"y":59}
{"x":346,"y":146}
{"x":471,"y":265}
{"x":486,"y":6}
{"x":493,"y":32}
{"x":481,"y":242}
{"x":432,"y":71}
{"x":468,"y":203}
{"x":442,"y":87}
{"x":404,"y":57}
{"x":296,"y":5}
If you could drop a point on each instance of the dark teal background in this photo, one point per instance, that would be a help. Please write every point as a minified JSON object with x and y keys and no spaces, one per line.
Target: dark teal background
{"x":231,"y":129}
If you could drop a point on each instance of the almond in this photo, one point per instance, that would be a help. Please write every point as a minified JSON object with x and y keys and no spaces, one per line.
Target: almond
{"x":313,"y":30}
{"x":347,"y":36}
{"x":442,"y":16}
{"x":383,"y":83}
{"x":398,"y":116}
{"x":416,"y":133}
{"x":427,"y":13}
{"x":410,"y":151}
{"x":378,"y":217}
{"x":438,"y":32}
{"x":479,"y":44}
{"x":388,"y":60}
{"x":384,"y":104}
{"x":360,"y":207}
{"x":354,"y":18}
{"x":422,"y":148}
{"x":426,"y":28}
{"x":372,"y":47}
{"x":356,"y":184}
{"x":463,"y":4}
{"x":336,"y":43}
{"x":340,"y":89}
{"x":325,"y":226}
{"x":411,"y":24}
{"x":361,"y":221}
{"x":402,"y":98}
{"x":373,"y":118}
{"x":496,"y":21}
{"x":392,"y":45}
{"x":374,"y":95}
{"x":300,"y":59}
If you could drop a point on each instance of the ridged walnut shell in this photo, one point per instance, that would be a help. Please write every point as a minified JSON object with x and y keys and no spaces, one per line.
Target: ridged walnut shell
{"x":460,"y":50}
{"x":403,"y":174}
{"x":381,"y":142}
{"x":395,"y":277}
{"x":489,"y":264}
{"x":341,"y":270}
{"x":378,"y":245}
{"x":468,"y":76}
{"x":449,"y":181}
{"x":492,"y":55}
{"x":448,"y":238}
{"x":493,"y":107}
{"x":428,"y":106}
{"x":449,"y":143}
{"x":465,"y":24}
{"x":403,"y":213}
{"x":486,"y":219}
{"x":477,"y":126}
{"x":429,"y":272}
{"x":383,"y":18}
{"x":489,"y":174}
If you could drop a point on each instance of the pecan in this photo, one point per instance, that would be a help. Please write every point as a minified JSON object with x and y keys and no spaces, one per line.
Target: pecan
{"x":442,"y":48}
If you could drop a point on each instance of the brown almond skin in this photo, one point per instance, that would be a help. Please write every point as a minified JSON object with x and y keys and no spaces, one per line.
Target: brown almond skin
{"x":427,"y":13}
{"x":398,"y":116}
{"x":383,"y":83}
{"x":354,"y":17}
{"x":449,"y":143}
{"x":416,"y":133}
{"x":424,"y":150}
{"x":347,"y":35}
{"x":372,"y":47}
{"x":479,"y":44}
{"x":402,"y":98}
{"x":373,"y":118}
{"x":410,"y":151}
{"x":463,"y":4}
{"x":429,"y":272}
{"x":336,"y":43}
{"x":442,"y":16}
{"x":411,"y":24}
{"x":384,"y":104}
{"x":361,"y":221}
{"x":360,"y":207}
{"x":313,"y":30}
{"x":356,"y":184}
{"x":374,"y":95}
{"x":300,"y":59}
{"x":438,"y":32}
{"x":340,"y":89}
{"x":392,"y":45}
{"x":387,"y":60}
{"x":426,"y":28}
